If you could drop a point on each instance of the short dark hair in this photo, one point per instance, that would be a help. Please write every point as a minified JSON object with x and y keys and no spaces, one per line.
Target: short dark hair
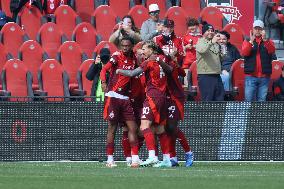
{"x":192,"y":22}
{"x":152,"y":45}
{"x":127,"y":38}
{"x":226,"y":34}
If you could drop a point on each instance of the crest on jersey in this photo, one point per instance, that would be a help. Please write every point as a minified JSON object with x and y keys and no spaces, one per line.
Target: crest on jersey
{"x":228,"y":9}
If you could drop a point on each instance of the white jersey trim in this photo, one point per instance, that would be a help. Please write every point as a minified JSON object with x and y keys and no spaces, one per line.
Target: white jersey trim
{"x":116,"y":95}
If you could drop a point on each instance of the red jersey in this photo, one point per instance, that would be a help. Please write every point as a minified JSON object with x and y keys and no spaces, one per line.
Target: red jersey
{"x":168,"y":46}
{"x":51,"y":5}
{"x":174,"y":85}
{"x":156,"y":80}
{"x":190,"y":54}
{"x":117,"y":82}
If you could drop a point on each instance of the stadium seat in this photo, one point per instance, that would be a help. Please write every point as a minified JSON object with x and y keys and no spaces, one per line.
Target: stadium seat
{"x":50,"y":38}
{"x":86,"y":36}
{"x":53,"y":80}
{"x":32,"y":55}
{"x":4,"y":56}
{"x":193,"y":83}
{"x":105,"y":44}
{"x":121,"y":7}
{"x":66,"y":19}
{"x":71,"y":56}
{"x":236,"y":34}
{"x":164,"y":5}
{"x":139,"y":13}
{"x":31,"y":20}
{"x":104,"y":20}
{"x":84,"y":8}
{"x":5,"y":6}
{"x":84,"y":83}
{"x":16,"y":80}
{"x":12,"y":37}
{"x":192,"y":8}
{"x":213,"y":16}
{"x":237,"y":80}
{"x":178,"y":15}
{"x":276,"y":72}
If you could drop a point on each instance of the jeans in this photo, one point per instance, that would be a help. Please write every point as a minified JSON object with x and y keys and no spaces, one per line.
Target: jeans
{"x":226,"y":81}
{"x":256,"y":88}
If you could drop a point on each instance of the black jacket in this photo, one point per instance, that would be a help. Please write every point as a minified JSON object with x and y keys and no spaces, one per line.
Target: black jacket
{"x":232,"y":55}
{"x":93,"y":74}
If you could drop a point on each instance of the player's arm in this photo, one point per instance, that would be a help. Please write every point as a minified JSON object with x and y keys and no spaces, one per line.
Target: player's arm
{"x":104,"y":70}
{"x":130,"y":73}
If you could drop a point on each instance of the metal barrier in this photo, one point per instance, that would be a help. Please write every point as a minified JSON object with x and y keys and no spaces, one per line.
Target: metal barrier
{"x":75,"y":130}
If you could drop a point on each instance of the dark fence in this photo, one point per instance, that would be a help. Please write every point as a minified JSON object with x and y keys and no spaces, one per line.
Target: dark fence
{"x":75,"y":130}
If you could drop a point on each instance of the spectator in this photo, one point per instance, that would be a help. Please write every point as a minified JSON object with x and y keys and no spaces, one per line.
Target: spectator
{"x":93,"y":73}
{"x":151,"y":27}
{"x":189,"y":42}
{"x":208,"y":53}
{"x":125,"y":28}
{"x":231,"y":56}
{"x":49,"y":7}
{"x":258,"y":52}
{"x":3,"y":19}
{"x":278,"y":87}
{"x":17,"y":5}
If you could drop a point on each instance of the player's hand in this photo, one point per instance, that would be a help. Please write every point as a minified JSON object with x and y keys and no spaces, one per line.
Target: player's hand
{"x":117,"y":71}
{"x":188,"y":46}
{"x":104,"y":86}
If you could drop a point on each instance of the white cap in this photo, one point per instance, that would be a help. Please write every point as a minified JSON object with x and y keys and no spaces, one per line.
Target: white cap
{"x":153,"y":7}
{"x":258,"y":23}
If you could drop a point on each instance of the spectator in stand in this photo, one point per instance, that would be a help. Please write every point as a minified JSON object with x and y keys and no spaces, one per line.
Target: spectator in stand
{"x":49,"y":7}
{"x":93,"y":73}
{"x":189,"y":43}
{"x":258,"y":52}
{"x":17,"y":5}
{"x":278,"y":87}
{"x":151,"y":27}
{"x":125,"y":28}
{"x":231,"y":56}
{"x":209,"y":53}
{"x":3,"y":19}
{"x":169,"y":42}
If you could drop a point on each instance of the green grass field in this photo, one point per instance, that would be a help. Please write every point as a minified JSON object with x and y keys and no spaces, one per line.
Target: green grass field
{"x":78,"y":175}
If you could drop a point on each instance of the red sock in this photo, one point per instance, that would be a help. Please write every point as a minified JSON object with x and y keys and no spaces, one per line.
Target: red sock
{"x":125,"y":144}
{"x":172,"y":146}
{"x":164,"y":142}
{"x":134,"y":148}
{"x":110,"y":148}
{"x":183,"y":141}
{"x":149,"y":138}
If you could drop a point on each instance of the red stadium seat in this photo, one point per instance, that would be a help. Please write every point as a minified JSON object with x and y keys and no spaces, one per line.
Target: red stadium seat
{"x":193,"y":82}
{"x":237,"y":80}
{"x":213,"y":16}
{"x":32,"y":55}
{"x":66,"y":19}
{"x":121,"y":7}
{"x":105,"y":44}
{"x":50,"y":38}
{"x":192,"y":8}
{"x":84,"y":83}
{"x":53,"y":80}
{"x":70,"y":55}
{"x":16,"y":80}
{"x":5,"y":6}
{"x":3,"y":59}
{"x":178,"y":15}
{"x":31,"y":20}
{"x":139,"y":13}
{"x":164,"y":5}
{"x":12,"y":37}
{"x":84,"y":8}
{"x":237,"y":35}
{"x":104,"y":20}
{"x":86,"y":36}
{"x":276,"y":72}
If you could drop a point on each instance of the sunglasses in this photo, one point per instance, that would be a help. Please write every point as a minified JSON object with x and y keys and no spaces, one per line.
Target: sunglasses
{"x":154,"y":13}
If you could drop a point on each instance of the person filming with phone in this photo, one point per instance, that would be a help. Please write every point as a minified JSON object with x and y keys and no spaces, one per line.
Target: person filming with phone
{"x":258,"y":53}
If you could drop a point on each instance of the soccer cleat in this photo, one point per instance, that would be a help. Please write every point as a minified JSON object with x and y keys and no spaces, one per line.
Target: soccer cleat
{"x":174,"y":163}
{"x":111,"y":164}
{"x":188,"y":159}
{"x":164,"y":163}
{"x":128,"y":164}
{"x":135,"y":164}
{"x":149,"y":162}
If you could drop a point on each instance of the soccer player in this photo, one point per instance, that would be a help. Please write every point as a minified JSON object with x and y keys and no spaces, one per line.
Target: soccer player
{"x":154,"y":106}
{"x":118,"y":108}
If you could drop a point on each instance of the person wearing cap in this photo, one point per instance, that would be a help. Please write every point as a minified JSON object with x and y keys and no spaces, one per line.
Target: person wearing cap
{"x":169,"y":42}
{"x":258,"y":52}
{"x":93,"y":73}
{"x":208,"y":54}
{"x":151,"y":27}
